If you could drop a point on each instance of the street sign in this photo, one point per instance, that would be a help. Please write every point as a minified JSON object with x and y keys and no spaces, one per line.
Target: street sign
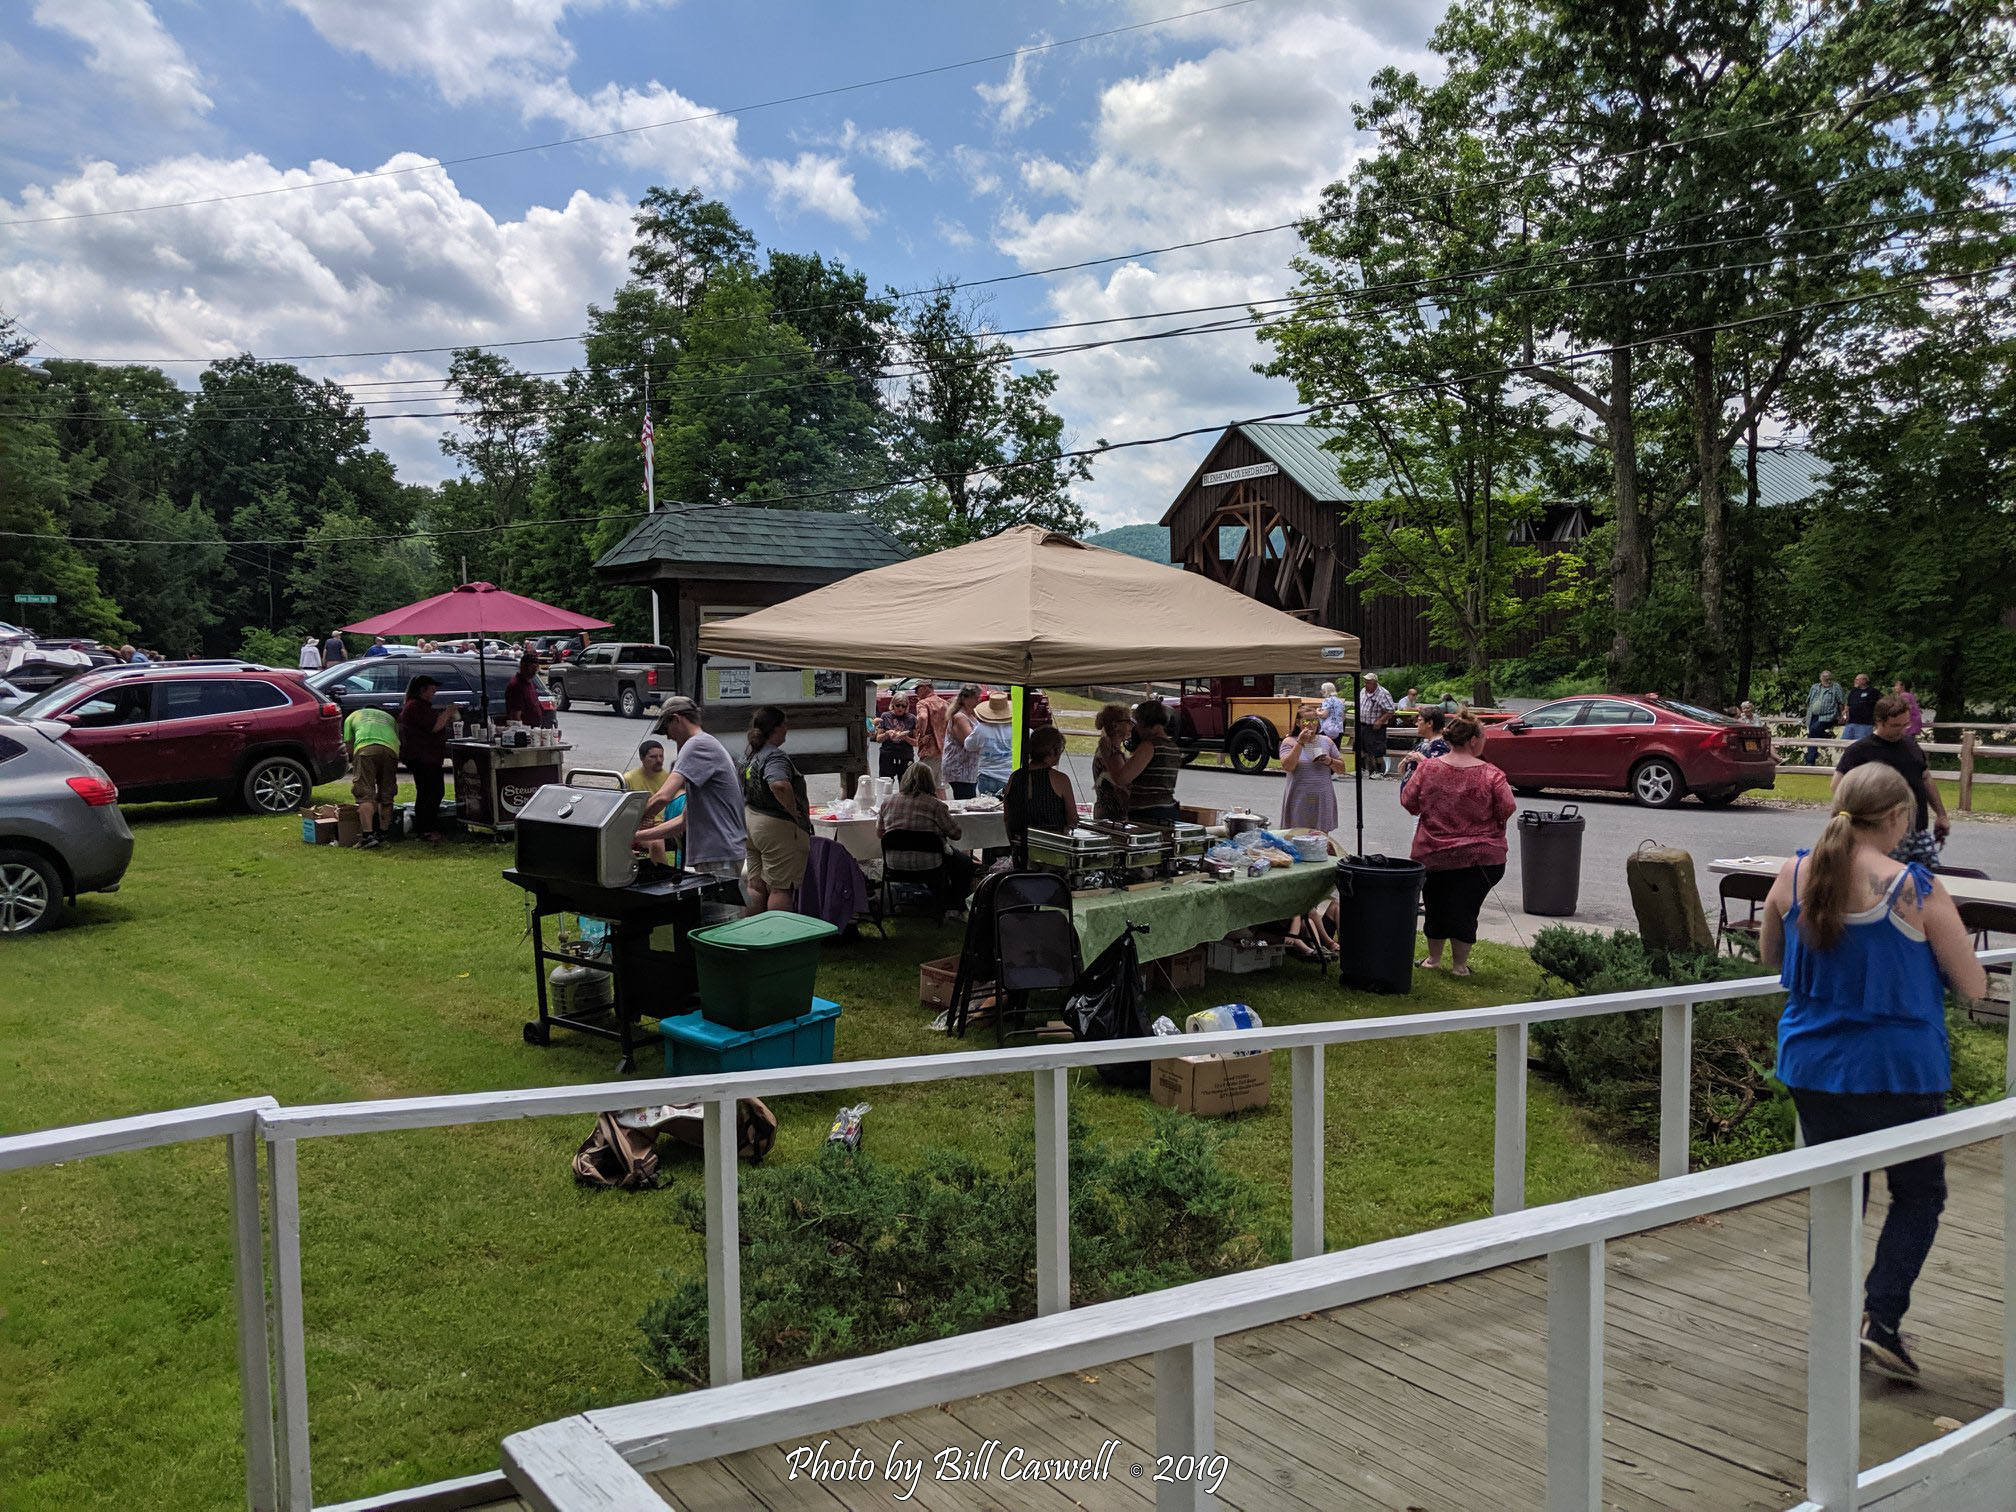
{"x":1238,"y":474}
{"x":34,"y":598}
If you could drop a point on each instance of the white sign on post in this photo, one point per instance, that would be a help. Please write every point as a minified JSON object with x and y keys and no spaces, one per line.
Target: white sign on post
{"x":1240,"y":474}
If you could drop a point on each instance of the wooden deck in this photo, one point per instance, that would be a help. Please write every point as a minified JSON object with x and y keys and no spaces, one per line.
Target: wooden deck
{"x":1433,"y":1400}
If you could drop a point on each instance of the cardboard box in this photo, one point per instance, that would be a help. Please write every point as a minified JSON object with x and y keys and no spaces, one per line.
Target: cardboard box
{"x":1183,"y":972}
{"x":1211,"y":1086}
{"x":935,"y":981}
{"x":348,"y":830}
{"x":1194,"y":813}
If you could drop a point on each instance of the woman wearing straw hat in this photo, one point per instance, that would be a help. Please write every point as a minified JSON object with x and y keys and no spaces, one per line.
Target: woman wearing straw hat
{"x":993,"y":738}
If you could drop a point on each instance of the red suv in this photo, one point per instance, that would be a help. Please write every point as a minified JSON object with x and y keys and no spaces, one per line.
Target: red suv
{"x":197,"y":730}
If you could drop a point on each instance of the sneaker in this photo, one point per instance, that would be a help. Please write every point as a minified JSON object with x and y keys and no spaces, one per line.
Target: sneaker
{"x":369,"y":842}
{"x":1883,"y":1348}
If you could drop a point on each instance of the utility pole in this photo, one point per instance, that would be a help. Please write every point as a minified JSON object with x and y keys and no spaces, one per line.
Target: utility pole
{"x":650,"y":481}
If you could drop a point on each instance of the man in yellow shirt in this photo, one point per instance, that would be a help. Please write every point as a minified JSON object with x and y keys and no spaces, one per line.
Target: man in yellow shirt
{"x":372,"y":739}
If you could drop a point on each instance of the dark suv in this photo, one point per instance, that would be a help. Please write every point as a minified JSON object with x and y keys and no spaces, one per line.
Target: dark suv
{"x":379,"y":682}
{"x":250,"y":734}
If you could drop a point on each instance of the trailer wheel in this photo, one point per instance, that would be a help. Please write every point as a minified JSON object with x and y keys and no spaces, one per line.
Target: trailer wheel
{"x":1248,"y":751}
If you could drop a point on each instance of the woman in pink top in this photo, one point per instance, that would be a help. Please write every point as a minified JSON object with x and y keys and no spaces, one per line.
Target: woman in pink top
{"x":1902,"y":689}
{"x":1463,"y":803}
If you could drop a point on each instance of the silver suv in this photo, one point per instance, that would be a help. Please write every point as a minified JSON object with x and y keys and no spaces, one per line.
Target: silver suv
{"x":61,"y":832}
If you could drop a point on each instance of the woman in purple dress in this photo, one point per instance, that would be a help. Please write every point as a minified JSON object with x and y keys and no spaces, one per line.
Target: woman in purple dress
{"x":1310,"y":760}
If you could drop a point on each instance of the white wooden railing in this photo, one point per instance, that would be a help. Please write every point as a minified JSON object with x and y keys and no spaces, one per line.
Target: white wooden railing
{"x":598,"y":1460}
{"x":278,"y":1473}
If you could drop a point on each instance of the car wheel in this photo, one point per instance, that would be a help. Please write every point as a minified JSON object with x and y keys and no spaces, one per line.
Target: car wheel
{"x":1719,"y":798}
{"x":1657,"y":783}
{"x":31,"y":894}
{"x":1527,"y":792}
{"x":1248,"y":752}
{"x":629,"y":705}
{"x":275,"y":785}
{"x":560,"y":697}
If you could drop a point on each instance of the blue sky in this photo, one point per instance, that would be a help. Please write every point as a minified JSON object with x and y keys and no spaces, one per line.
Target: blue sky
{"x":1191,"y":129}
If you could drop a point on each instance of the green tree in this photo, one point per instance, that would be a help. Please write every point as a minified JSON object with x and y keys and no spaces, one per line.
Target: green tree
{"x":983,"y":439}
{"x":37,"y":485}
{"x":684,"y":240}
{"x":499,"y":444}
{"x":346,"y":571}
{"x":1445,"y":457}
{"x":1686,"y":167}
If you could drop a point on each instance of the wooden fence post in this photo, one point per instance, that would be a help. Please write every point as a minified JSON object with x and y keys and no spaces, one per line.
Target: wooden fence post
{"x":1966,"y":771}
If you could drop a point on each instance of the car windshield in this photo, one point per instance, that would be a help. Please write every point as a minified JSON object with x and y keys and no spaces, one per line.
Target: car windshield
{"x":1692,"y":711}
{"x":43,"y":703}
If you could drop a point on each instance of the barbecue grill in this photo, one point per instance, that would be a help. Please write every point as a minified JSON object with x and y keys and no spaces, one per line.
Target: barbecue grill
{"x":581,"y":832}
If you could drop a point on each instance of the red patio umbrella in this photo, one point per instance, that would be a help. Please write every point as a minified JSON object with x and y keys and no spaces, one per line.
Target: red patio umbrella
{"x":478,"y":609}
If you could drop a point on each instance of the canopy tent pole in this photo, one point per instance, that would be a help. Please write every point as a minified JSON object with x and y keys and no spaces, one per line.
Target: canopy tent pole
{"x":1016,"y":695}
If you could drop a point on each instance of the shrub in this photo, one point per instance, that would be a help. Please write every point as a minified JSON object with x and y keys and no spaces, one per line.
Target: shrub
{"x":847,"y":1254}
{"x":270,"y":648}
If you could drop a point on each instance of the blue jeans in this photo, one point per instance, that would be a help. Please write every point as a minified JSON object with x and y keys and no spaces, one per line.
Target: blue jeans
{"x":1821,"y":729}
{"x":1857,"y":731}
{"x":1917,"y":1187}
{"x":991,"y":787}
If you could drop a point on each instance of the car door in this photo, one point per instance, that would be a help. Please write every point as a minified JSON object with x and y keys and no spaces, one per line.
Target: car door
{"x":114,"y":726}
{"x":1531,"y":750}
{"x":597,"y":677}
{"x":379,"y":683}
{"x":202,"y":729}
{"x":458,"y":685}
{"x":1608,"y":740}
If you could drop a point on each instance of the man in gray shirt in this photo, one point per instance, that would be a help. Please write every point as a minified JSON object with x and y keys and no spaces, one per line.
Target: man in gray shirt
{"x":716,"y":840}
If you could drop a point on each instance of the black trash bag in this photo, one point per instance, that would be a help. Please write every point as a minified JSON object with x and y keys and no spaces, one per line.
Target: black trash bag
{"x":1108,"y":1001}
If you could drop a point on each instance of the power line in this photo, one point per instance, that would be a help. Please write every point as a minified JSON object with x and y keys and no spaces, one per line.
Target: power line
{"x":1256,"y":314}
{"x":953,"y":286}
{"x":1102,"y":448}
{"x":625,"y":131}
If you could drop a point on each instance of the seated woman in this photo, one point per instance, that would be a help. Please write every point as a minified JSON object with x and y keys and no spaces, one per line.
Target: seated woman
{"x":918,"y":807}
{"x":1039,"y":796}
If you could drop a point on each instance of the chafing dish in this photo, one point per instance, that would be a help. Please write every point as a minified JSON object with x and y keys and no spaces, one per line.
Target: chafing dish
{"x":1075,"y":850}
{"x":1142,"y":847}
{"x":1187,"y":842}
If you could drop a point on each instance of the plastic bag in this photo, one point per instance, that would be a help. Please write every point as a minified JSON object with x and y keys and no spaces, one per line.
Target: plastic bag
{"x":1106,"y":1003}
{"x":846,"y":1128}
{"x":1164,"y":1025}
{"x":1224,"y":1017}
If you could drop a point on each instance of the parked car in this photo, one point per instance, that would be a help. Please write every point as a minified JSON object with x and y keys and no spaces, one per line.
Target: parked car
{"x":1656,"y":749}
{"x":253,"y":735}
{"x":378,"y":682}
{"x":629,"y":676}
{"x":11,"y":695}
{"x":552,"y":648}
{"x":61,"y":832}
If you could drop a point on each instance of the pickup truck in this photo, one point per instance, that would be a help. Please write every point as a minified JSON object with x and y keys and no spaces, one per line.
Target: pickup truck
{"x":628,"y":675}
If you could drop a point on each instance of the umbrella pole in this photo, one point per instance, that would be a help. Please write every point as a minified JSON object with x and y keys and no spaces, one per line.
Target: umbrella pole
{"x":483,"y":682}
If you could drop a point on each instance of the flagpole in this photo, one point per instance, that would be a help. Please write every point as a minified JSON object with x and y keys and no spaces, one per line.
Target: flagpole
{"x":650,"y":484}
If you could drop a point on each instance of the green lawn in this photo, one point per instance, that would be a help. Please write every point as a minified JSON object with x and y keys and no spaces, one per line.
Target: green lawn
{"x":459,"y":1285}
{"x":1811,"y":787}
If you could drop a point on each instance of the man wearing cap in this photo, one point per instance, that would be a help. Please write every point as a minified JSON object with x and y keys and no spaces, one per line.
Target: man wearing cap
{"x":1375,"y":712}
{"x":716,"y":841}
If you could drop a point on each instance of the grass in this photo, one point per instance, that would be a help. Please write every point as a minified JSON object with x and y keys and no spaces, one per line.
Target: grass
{"x":459,"y":1285}
{"x":1805,"y":786}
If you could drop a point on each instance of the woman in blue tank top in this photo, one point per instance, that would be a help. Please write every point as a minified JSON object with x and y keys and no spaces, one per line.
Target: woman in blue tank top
{"x":1867,"y":947}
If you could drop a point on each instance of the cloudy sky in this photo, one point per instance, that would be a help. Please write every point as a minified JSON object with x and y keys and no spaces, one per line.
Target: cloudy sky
{"x":1195,"y":128}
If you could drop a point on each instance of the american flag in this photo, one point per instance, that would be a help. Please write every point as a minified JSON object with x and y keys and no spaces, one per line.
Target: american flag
{"x":644,"y":440}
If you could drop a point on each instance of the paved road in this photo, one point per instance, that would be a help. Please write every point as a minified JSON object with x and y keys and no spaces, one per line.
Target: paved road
{"x":1616,"y":827}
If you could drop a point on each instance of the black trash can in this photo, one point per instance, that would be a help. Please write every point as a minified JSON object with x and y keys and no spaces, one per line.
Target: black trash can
{"x":1378,"y":901}
{"x":1550,"y":860}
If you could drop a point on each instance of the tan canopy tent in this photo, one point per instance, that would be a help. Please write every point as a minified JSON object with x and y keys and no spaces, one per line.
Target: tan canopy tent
{"x":1034,"y":607}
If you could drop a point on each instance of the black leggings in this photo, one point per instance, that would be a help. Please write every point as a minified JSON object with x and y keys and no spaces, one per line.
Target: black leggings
{"x":428,"y":785}
{"x":963,"y":789}
{"x":1452,"y":899}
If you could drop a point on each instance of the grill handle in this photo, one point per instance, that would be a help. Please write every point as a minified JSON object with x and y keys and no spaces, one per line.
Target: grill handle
{"x":603,"y":778}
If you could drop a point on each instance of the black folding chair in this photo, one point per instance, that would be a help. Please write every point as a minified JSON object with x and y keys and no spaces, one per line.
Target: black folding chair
{"x":1744,"y":888}
{"x":931,"y":883}
{"x":1040,"y":953}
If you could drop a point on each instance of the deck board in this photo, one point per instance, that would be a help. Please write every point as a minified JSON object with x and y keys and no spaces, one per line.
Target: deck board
{"x":1433,"y":1400}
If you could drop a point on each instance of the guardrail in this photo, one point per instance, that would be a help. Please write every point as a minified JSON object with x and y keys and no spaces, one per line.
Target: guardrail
{"x":278,"y":1471}
{"x":598,"y":1460}
{"x":1969,"y":750}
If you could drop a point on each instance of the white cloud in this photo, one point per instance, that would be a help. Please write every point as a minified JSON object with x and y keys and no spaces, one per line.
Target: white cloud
{"x":978,"y":168}
{"x":953,"y":233}
{"x":1012,"y":100}
{"x":374,"y":265}
{"x":897,"y":148}
{"x":1242,"y":137}
{"x":819,"y":184}
{"x":129,"y":46}
{"x":472,"y":49}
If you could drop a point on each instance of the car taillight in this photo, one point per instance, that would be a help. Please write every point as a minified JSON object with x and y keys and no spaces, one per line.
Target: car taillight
{"x":331,"y":711}
{"x":547,"y":704}
{"x":99,"y":792}
{"x":650,"y":677}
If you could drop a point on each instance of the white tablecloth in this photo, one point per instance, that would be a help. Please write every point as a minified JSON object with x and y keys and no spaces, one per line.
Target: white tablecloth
{"x":985,"y":830}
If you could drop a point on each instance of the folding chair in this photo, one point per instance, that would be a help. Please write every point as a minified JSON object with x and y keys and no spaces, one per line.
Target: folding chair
{"x":1036,"y":947}
{"x":933,"y":882}
{"x":1744,"y":888}
{"x":1984,"y":919}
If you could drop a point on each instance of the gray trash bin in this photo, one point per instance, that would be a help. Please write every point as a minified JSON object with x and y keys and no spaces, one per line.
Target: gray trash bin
{"x":1550,"y":860}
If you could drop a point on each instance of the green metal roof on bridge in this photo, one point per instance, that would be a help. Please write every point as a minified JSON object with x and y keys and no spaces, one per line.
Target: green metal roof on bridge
{"x":1785,"y":474}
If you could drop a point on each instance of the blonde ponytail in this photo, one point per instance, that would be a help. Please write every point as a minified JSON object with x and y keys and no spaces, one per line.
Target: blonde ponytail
{"x":1865,"y":797}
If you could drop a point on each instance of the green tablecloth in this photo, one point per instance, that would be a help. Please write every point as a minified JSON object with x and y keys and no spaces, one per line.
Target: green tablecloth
{"x":1181,"y":914}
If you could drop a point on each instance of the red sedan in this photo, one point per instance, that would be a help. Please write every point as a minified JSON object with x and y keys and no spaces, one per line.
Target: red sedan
{"x":1655,"y":749}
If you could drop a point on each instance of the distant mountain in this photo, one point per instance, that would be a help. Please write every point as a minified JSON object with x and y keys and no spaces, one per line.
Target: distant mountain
{"x":1148,"y":542}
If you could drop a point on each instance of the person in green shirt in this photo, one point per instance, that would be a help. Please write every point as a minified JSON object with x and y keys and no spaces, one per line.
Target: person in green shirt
{"x":372,"y":740}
